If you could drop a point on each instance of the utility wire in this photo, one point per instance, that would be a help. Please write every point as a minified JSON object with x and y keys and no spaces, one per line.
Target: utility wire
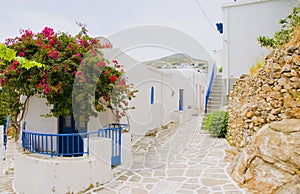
{"x":206,"y":17}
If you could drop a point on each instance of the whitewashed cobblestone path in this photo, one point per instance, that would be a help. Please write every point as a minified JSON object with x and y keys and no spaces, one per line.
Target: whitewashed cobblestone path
{"x":6,"y":169}
{"x":179,"y":159}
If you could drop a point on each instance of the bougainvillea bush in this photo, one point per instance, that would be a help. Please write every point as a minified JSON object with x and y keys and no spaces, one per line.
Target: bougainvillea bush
{"x":51,"y":64}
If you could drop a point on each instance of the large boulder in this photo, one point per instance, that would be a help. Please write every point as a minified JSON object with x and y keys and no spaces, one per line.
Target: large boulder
{"x":271,"y":162}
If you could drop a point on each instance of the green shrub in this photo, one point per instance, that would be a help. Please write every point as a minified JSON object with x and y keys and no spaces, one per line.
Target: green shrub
{"x":220,"y":69}
{"x":216,"y":123}
{"x":287,"y":32}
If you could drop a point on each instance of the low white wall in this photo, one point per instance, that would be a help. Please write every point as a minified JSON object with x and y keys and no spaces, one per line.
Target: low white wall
{"x":35,"y":174}
{"x":126,"y":152}
{"x":37,"y":123}
{"x":1,"y":141}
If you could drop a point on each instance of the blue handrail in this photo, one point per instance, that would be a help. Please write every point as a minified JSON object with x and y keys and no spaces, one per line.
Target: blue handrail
{"x":69,"y":144}
{"x":209,"y":88}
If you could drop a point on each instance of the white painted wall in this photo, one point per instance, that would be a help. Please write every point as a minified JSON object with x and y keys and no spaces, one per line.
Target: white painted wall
{"x":37,"y":123}
{"x":1,"y":141}
{"x":35,"y":174}
{"x":243,"y":22}
{"x":189,"y":80}
{"x":218,"y":57}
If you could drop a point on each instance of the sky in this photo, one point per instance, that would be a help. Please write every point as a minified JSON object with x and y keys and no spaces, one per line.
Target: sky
{"x":106,"y":18}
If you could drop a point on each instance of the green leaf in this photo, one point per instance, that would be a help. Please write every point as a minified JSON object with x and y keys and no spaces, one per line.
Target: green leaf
{"x":6,"y":53}
{"x":27,"y":64}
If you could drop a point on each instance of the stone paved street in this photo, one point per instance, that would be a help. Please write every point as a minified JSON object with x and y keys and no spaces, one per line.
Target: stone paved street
{"x":6,"y":169}
{"x":179,"y":159}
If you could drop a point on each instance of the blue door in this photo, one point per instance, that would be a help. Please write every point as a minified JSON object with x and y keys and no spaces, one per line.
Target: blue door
{"x":70,"y":144}
{"x":180,"y":100}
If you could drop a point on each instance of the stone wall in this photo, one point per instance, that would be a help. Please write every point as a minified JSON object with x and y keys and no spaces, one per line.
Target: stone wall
{"x":271,"y":94}
{"x":264,"y":125}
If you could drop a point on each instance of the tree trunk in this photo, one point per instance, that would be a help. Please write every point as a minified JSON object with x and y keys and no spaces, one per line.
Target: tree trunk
{"x":17,"y":129}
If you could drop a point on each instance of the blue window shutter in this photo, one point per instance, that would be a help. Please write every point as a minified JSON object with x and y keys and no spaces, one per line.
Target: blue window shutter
{"x":220,"y":27}
{"x":152,"y":95}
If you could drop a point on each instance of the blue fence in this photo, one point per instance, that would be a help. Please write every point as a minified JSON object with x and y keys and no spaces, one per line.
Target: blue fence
{"x":209,"y":87}
{"x":55,"y":144}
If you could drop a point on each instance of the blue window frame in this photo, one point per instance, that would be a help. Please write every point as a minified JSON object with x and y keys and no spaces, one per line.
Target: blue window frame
{"x":180,"y":100}
{"x":152,"y":95}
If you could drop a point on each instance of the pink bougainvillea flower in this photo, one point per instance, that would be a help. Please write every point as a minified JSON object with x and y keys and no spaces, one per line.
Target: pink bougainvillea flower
{"x":55,"y":67}
{"x":47,"y":47}
{"x":14,"y":65}
{"x":48,"y":32}
{"x":55,"y":54}
{"x":106,"y":97}
{"x":113,"y":78}
{"x":78,"y":54}
{"x":52,"y":42}
{"x":121,"y":83}
{"x":101,"y":63}
{"x":28,"y":32}
{"x":21,"y":54}
{"x":115,"y":61}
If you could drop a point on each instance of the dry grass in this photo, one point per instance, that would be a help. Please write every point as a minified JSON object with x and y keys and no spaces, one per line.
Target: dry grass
{"x":295,"y":40}
{"x":255,"y":68}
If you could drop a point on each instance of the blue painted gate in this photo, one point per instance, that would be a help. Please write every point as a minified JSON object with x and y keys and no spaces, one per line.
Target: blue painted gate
{"x":113,"y":131}
{"x":69,"y":145}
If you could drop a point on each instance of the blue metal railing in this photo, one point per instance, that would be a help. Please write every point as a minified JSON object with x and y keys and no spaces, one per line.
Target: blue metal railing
{"x":73,"y":144}
{"x":209,"y":88}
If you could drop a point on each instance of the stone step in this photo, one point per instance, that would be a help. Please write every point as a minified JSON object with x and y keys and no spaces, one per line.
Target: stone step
{"x":215,"y":98}
{"x":216,"y":93}
{"x":216,"y":88}
{"x":215,"y":103}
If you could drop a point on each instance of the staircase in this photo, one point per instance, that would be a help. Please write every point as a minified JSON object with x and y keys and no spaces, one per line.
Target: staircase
{"x":215,"y":98}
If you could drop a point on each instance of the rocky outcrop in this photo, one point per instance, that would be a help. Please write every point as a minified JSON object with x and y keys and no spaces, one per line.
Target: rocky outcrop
{"x":271,"y":163}
{"x":271,"y":94}
{"x":264,"y":125}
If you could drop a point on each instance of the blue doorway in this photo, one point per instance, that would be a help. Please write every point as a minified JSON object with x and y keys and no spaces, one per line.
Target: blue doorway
{"x":180,"y":100}
{"x":71,"y":144}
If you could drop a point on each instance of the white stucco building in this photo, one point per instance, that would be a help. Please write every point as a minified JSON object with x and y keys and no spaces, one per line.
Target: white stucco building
{"x":244,"y":21}
{"x":165,"y":87}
